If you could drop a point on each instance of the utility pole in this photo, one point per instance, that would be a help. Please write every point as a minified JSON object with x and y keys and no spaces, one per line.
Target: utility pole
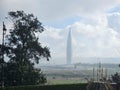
{"x":93,"y":74}
{"x":4,"y":31}
{"x":106,"y":73}
{"x":97,"y":74}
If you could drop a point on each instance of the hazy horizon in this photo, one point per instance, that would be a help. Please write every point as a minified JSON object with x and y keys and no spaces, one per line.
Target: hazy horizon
{"x":75,"y":60}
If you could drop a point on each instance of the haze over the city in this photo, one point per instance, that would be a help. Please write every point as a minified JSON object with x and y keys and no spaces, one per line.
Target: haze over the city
{"x":95,"y":27}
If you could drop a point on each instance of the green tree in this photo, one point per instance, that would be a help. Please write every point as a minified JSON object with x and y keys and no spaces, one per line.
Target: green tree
{"x":24,"y":50}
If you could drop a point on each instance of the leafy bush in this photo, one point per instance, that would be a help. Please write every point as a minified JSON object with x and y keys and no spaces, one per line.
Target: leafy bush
{"x":50,"y":87}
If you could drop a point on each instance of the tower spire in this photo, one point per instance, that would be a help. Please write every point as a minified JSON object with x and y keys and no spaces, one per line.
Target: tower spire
{"x":69,"y":48}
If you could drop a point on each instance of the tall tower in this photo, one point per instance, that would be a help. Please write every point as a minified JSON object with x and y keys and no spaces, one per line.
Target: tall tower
{"x":69,"y":48}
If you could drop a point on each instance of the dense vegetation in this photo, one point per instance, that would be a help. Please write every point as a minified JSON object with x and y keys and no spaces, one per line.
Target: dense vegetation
{"x":50,"y":87}
{"x":22,"y":49}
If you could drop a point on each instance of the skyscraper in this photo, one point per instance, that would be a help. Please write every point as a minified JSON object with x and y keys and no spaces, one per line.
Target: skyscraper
{"x":69,"y":48}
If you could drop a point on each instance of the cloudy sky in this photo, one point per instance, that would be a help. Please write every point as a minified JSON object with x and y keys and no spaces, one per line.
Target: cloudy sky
{"x":95,"y":25}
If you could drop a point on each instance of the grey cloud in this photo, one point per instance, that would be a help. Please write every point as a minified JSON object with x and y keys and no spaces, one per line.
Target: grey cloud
{"x":51,"y":10}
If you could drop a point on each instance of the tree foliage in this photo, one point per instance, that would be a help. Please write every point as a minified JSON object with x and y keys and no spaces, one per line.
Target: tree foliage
{"x":24,"y":50}
{"x":116,"y":78}
{"x":23,"y":38}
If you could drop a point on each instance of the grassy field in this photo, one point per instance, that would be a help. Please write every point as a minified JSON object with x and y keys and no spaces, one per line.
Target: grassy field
{"x":65,"y":81}
{"x":66,"y":76}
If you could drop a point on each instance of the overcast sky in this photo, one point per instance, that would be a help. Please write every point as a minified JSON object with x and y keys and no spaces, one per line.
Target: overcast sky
{"x":95,"y":25}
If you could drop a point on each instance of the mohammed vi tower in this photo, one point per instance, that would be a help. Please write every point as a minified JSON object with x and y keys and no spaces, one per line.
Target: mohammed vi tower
{"x":69,"y":48}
